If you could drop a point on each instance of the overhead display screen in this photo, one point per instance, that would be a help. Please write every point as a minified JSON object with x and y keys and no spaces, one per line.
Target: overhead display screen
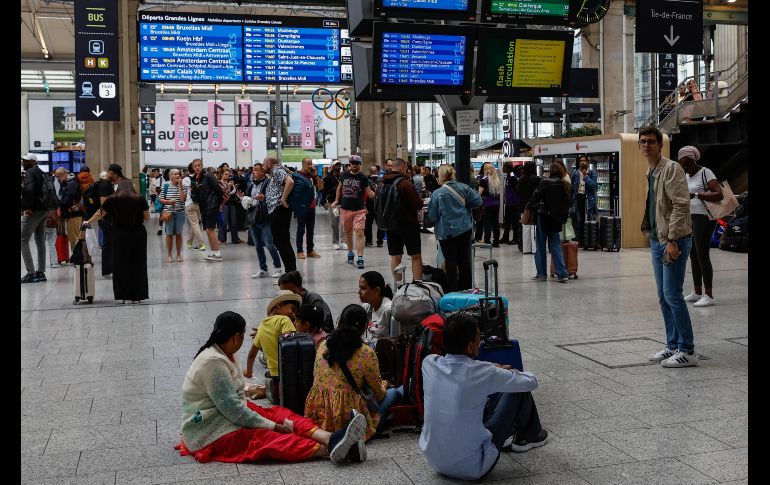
{"x":436,"y":59}
{"x":426,"y":9}
{"x":226,"y":48}
{"x":523,"y":62}
{"x":548,"y":12}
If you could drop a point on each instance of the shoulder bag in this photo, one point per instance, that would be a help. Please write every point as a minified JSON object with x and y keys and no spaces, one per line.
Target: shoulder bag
{"x":720,"y":208}
{"x":477,"y":214}
{"x":165,"y":215}
{"x":368,"y":397}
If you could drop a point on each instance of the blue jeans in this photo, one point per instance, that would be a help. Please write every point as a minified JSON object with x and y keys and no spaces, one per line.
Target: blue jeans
{"x":392,"y":396}
{"x":556,"y":254}
{"x":229,"y":224}
{"x":669,"y":279}
{"x":307,"y":220}
{"x":261,"y":235}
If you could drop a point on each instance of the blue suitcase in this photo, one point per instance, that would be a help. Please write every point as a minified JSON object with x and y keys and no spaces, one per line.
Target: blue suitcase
{"x":458,"y":300}
{"x":505,"y":356}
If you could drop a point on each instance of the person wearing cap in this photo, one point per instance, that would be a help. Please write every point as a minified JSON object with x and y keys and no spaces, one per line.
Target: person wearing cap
{"x":310,"y":319}
{"x":702,"y":185}
{"x":280,"y":320}
{"x":220,"y":424}
{"x":33,"y":220}
{"x":668,"y":225}
{"x":351,"y":197}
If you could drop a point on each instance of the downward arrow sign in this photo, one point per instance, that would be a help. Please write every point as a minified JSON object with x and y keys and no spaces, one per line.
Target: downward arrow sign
{"x":97,"y":112}
{"x":671,"y":40}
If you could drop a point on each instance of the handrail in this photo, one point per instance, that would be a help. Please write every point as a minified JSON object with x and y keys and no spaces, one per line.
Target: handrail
{"x":725,"y":81}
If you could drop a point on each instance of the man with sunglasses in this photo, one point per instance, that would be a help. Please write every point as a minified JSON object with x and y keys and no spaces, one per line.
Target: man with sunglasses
{"x":668,"y":225}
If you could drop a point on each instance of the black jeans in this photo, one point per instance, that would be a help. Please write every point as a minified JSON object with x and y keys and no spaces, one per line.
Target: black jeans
{"x":511,"y":413}
{"x":280,"y":220}
{"x":307,"y":221}
{"x":479,"y":229}
{"x":580,"y":216}
{"x":230,"y":217}
{"x":492,"y":224}
{"x":702,"y":229}
{"x":107,"y":252}
{"x":511,"y":218}
{"x":370,"y":220}
{"x":457,"y":256}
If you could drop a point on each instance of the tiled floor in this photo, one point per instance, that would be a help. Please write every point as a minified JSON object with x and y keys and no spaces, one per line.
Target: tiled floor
{"x":100,"y":384}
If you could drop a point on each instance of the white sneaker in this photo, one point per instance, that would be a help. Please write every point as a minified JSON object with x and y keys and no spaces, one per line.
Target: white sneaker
{"x":681,"y":359}
{"x":277,"y":273}
{"x":335,"y":246}
{"x":260,"y":274}
{"x":662,"y":355}
{"x":692,"y":297}
{"x":705,"y":301}
{"x":213,"y":258}
{"x":343,"y":246}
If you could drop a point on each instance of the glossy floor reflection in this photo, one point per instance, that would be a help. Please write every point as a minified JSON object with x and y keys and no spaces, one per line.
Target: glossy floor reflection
{"x":101,"y":383}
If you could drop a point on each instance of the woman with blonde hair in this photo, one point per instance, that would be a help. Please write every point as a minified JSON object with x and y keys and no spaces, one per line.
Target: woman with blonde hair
{"x":450,"y":209}
{"x":489,"y":188}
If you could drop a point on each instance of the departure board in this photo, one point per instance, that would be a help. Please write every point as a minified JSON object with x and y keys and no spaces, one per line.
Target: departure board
{"x":423,"y":59}
{"x":243,"y":49}
{"x":290,"y":53}
{"x":427,"y":4}
{"x":547,"y":12}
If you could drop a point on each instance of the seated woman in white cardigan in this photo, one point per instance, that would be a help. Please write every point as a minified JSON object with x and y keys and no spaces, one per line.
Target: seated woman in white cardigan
{"x":221,"y":424}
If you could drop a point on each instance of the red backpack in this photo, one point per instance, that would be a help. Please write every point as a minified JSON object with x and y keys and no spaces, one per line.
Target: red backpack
{"x":427,"y":339}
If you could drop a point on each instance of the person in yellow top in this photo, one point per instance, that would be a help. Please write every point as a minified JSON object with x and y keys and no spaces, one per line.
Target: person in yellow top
{"x":280,"y":318}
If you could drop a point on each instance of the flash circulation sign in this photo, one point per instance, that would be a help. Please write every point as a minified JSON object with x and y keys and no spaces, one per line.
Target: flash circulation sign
{"x":229,"y":48}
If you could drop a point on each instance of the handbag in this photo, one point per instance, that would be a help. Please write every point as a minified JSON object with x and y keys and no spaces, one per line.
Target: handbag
{"x":528,"y":217}
{"x":165,"y":215}
{"x":720,"y":208}
{"x":568,"y":233}
{"x":371,"y":401}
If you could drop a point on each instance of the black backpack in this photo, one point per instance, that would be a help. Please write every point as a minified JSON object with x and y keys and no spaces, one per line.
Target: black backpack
{"x":91,"y":200}
{"x":387,"y":205}
{"x":48,"y":194}
{"x":194,"y":194}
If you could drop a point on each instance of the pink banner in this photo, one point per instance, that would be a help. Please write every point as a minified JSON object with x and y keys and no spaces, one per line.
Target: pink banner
{"x":215,"y":126}
{"x":244,"y":124}
{"x":308,"y":125}
{"x":181,"y":124}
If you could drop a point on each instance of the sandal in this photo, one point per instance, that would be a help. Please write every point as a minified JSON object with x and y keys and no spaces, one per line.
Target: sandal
{"x":169,"y":259}
{"x":178,"y":259}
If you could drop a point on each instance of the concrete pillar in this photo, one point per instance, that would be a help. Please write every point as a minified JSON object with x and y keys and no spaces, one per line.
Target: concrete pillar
{"x":381,"y":133}
{"x":109,"y":142}
{"x":617,"y":61}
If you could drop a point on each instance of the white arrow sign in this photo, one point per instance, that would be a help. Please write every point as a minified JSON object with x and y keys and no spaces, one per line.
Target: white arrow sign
{"x":97,"y":112}
{"x":671,"y":40}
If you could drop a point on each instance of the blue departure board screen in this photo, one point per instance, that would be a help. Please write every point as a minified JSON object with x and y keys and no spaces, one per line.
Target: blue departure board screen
{"x":291,"y":54}
{"x":461,"y":5}
{"x":423,"y":59}
{"x":226,"y":48}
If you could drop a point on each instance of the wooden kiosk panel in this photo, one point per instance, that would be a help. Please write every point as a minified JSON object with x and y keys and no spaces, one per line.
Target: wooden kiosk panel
{"x":632,"y":165}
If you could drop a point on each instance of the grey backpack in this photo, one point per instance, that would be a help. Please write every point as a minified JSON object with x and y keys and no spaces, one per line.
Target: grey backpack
{"x":415,"y":301}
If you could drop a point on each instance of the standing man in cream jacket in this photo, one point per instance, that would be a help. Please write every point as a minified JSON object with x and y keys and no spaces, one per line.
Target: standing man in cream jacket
{"x":668,"y":225}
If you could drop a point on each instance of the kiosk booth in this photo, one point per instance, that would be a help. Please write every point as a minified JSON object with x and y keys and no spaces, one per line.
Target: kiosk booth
{"x":621,"y":169}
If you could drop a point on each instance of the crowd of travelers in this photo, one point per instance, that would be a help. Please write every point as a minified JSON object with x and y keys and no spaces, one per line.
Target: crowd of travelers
{"x":350,"y":402}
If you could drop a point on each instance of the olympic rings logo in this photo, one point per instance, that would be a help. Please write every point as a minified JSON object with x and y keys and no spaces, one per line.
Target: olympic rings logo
{"x":341,"y":100}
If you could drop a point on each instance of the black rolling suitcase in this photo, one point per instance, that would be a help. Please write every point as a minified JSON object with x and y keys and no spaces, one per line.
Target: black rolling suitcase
{"x":296,"y":357}
{"x":609,"y":233}
{"x":590,"y":235}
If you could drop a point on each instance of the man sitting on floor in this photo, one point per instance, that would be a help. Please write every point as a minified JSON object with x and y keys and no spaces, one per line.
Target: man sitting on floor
{"x":464,"y":430}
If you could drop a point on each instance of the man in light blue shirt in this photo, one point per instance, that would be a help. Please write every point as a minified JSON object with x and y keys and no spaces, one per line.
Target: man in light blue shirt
{"x":464,"y":431}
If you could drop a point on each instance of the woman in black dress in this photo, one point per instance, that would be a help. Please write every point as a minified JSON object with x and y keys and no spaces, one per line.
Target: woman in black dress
{"x":128,"y":211}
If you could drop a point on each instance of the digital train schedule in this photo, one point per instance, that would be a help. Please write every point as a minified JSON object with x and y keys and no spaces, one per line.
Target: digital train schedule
{"x":243,"y":49}
{"x":423,"y":59}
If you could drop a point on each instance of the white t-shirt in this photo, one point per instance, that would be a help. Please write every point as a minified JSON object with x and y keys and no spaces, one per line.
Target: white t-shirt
{"x":186,"y":186}
{"x":379,"y":321}
{"x":695,"y":184}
